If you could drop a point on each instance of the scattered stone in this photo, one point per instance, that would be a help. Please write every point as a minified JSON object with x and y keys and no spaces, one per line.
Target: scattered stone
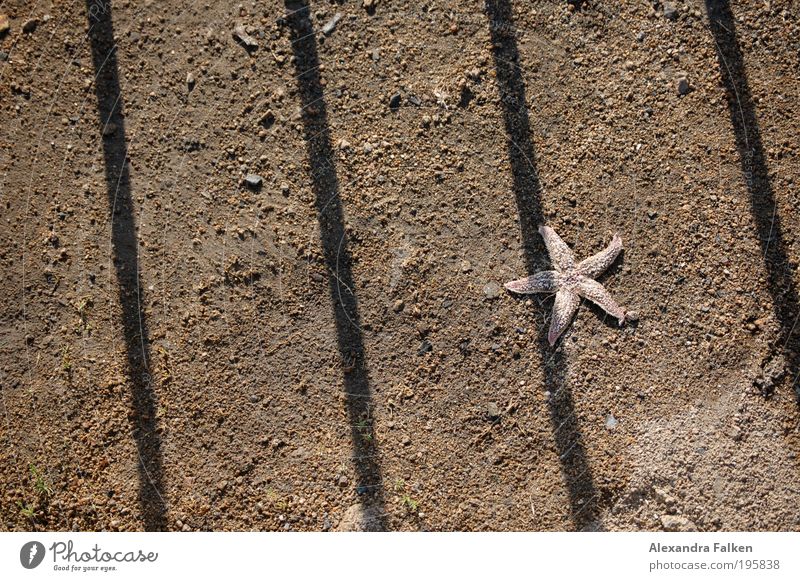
{"x":3,"y":56}
{"x":670,"y":12}
{"x":665,"y":498}
{"x":253,"y":181}
{"x":640,"y":36}
{"x":466,"y":266}
{"x":406,"y":441}
{"x":611,"y":422}
{"x":342,"y":482}
{"x":772,"y":373}
{"x":330,"y":26}
{"x":5,"y":25}
{"x":394,"y":101}
{"x":190,"y":81}
{"x":240,"y":35}
{"x":399,"y":305}
{"x":370,"y":4}
{"x":267,"y":119}
{"x":361,"y":518}
{"x":632,"y":316}
{"x":492,"y":411}
{"x":424,"y":347}
{"x":414,"y":100}
{"x":682,"y":85}
{"x":491,"y":290}
{"x":30,"y":25}
{"x":652,"y":214}
{"x":673,"y":523}
{"x":285,"y":189}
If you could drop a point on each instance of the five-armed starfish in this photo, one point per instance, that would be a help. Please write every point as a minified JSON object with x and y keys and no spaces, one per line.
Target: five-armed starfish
{"x":570,"y":281}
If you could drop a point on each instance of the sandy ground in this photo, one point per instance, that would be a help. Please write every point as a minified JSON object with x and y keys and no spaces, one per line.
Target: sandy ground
{"x":331,"y":348}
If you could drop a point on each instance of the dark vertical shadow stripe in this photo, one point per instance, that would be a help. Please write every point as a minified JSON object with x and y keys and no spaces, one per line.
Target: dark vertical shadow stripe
{"x":527,"y":191}
{"x":330,"y":214}
{"x":124,"y":243}
{"x":756,"y":175}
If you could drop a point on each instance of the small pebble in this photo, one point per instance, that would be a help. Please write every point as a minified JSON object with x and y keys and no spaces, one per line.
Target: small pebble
{"x":675,"y":523}
{"x":253,"y":181}
{"x":670,"y":12}
{"x":492,"y":411}
{"x":240,"y":34}
{"x":682,"y":85}
{"x":30,"y":25}
{"x":394,"y":101}
{"x":611,"y":422}
{"x":491,"y":290}
{"x":330,"y":26}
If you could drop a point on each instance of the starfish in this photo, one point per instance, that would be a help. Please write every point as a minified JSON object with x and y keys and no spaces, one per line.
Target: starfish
{"x":570,"y":281}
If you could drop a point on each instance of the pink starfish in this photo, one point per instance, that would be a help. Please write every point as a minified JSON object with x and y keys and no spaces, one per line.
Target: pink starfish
{"x":570,"y":281}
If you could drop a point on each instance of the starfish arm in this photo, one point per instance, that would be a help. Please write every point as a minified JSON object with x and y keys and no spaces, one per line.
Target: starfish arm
{"x":596,"y":292}
{"x":560,"y":254}
{"x":541,"y":282}
{"x":597,"y":264}
{"x":563,"y":310}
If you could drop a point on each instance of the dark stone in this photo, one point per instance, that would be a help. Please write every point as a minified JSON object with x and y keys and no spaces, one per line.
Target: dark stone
{"x":253,"y":181}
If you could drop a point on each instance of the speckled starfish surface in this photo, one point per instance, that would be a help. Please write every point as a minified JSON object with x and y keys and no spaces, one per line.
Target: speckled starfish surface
{"x":570,"y":281}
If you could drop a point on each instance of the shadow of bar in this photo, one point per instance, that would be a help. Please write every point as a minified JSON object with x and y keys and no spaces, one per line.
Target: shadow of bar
{"x":330,"y":214}
{"x":756,"y":175}
{"x":527,"y":191}
{"x":126,"y":262}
